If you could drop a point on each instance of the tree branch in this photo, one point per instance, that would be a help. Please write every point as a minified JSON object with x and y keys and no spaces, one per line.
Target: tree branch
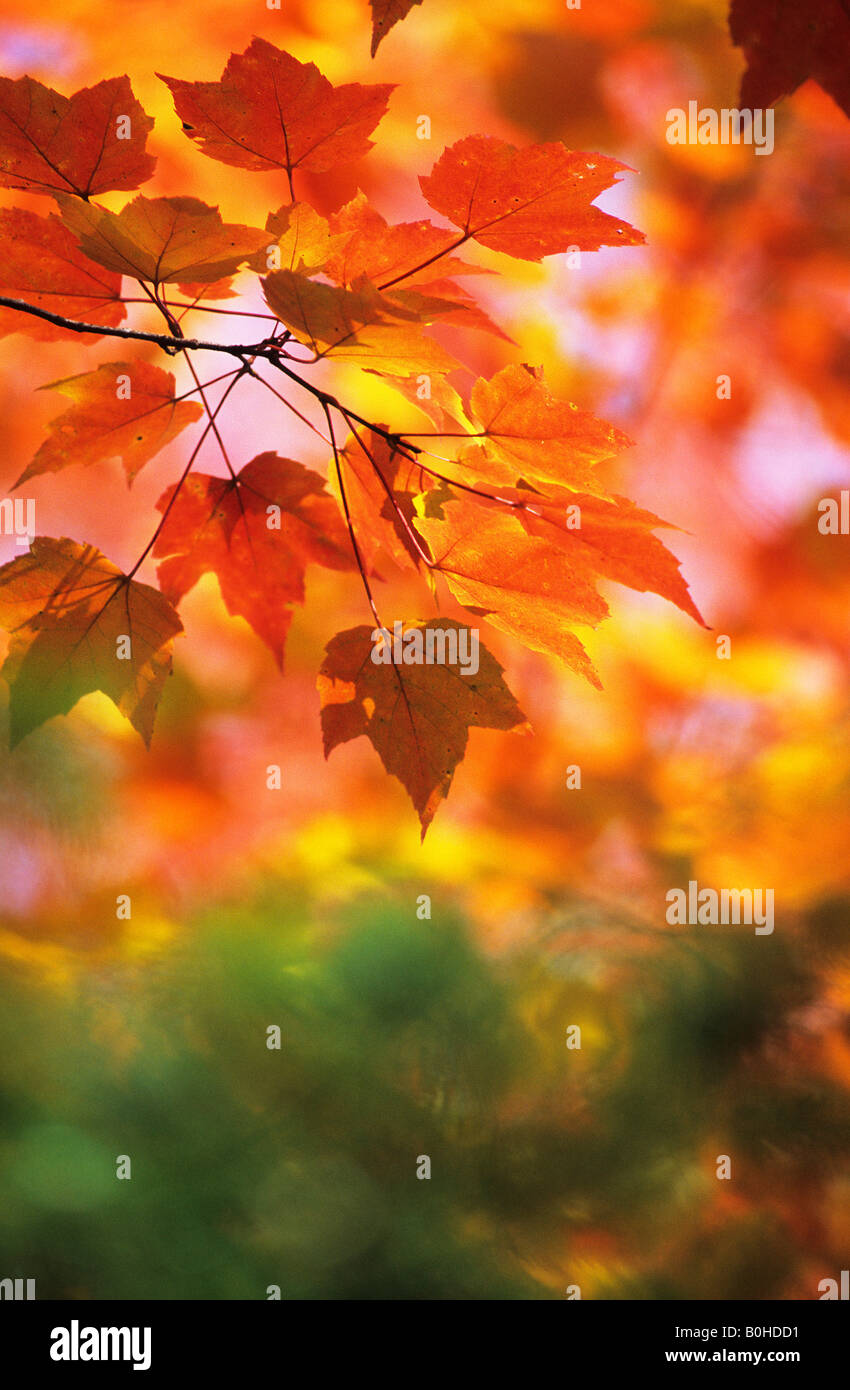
{"x":270,"y":352}
{"x":163,"y":340}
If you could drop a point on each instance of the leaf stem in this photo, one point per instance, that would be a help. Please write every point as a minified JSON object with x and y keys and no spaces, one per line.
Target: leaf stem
{"x":390,"y":494}
{"x":207,"y":309}
{"x":424,"y":265}
{"x":283,"y":400}
{"x":183,"y":476}
{"x":211,"y":415}
{"x":348,"y":521}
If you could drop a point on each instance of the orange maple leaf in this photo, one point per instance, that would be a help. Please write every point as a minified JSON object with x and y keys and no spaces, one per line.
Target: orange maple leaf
{"x":256,"y":533}
{"x":530,"y":435}
{"x":84,"y":144}
{"x":529,"y":203}
{"x":125,"y":409}
{"x":269,"y":111}
{"x":162,"y":239}
{"x":380,"y":486}
{"x":532,"y":576}
{"x":366,"y":244}
{"x":301,"y":237}
{"x":43,"y":265}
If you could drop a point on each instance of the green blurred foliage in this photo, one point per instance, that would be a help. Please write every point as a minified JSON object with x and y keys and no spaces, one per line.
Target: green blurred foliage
{"x":400,"y":1038}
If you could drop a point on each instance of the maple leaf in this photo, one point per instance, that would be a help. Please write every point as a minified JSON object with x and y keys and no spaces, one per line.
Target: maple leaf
{"x":123,"y":409}
{"x":78,"y":624}
{"x":417,"y":717}
{"x":302,"y":238}
{"x":358,"y":325}
{"x":523,"y":585}
{"x":326,"y":316}
{"x":84,"y":144}
{"x":535,"y":578}
{"x":386,"y":13}
{"x":380,"y":485}
{"x":442,"y":405}
{"x":445,"y":301}
{"x":256,"y":533}
{"x":528,"y":203}
{"x":43,"y":265}
{"x":397,"y":349}
{"x":613,"y":541}
{"x":532,"y":436}
{"x":367,"y":245}
{"x":271,"y":112}
{"x":162,"y":239}
{"x":785,"y":43}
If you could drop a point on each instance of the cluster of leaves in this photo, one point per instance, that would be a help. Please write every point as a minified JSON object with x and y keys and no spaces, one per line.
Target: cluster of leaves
{"x":489,"y":512}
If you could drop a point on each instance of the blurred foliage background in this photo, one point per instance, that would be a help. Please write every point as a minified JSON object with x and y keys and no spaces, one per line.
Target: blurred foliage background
{"x":250,"y":907}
